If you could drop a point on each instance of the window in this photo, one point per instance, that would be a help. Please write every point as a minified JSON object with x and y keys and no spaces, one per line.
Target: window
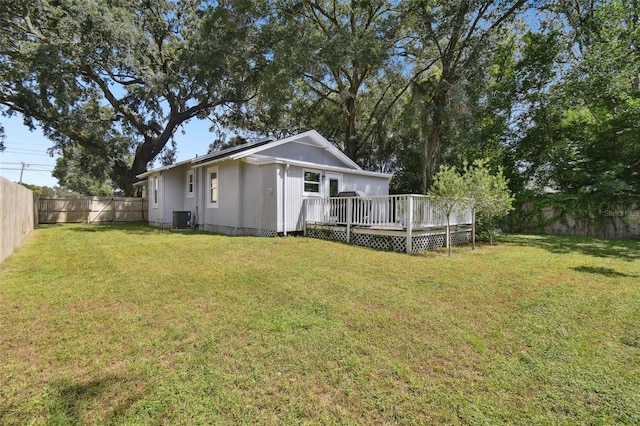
{"x":212,"y":187}
{"x":190,"y":184}
{"x":311,"y":182}
{"x":153,"y":189}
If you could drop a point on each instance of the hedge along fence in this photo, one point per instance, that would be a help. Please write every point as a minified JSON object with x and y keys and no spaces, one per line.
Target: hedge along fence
{"x":559,"y":214}
{"x":91,"y":209}
{"x":18,"y":216}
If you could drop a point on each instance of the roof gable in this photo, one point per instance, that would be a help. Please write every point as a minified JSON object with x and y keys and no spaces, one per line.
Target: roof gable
{"x":309,"y":137}
{"x":227,"y":152}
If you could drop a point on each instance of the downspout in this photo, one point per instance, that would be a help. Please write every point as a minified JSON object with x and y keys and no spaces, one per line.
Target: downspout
{"x":161,"y":194}
{"x":196,"y":194}
{"x":285,"y":169}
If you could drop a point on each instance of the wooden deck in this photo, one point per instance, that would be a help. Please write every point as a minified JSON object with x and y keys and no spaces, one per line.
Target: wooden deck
{"x":409,"y":223}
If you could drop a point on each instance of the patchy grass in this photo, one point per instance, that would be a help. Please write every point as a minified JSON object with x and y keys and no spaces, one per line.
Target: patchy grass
{"x":111,"y":324}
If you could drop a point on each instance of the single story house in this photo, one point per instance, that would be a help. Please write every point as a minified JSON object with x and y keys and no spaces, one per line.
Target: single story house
{"x":256,"y":188}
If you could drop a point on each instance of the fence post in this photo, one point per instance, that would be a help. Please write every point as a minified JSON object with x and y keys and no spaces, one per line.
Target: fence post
{"x":350,"y":202}
{"x":410,"y":224}
{"x":36,"y":210}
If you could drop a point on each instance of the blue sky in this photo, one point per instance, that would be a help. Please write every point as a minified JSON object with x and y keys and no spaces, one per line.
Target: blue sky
{"x":30,"y":148}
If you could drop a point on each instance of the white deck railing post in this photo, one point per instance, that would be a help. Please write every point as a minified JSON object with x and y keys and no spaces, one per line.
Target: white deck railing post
{"x":409,"y":223}
{"x":349,"y":213}
{"x":305,"y":206}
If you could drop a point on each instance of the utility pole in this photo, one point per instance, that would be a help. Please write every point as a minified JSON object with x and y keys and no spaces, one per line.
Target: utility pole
{"x":22,"y":170}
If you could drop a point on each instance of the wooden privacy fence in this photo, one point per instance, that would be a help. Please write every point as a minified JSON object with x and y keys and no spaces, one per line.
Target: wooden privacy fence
{"x":18,"y":216}
{"x":91,"y":209}
{"x":614,"y":221}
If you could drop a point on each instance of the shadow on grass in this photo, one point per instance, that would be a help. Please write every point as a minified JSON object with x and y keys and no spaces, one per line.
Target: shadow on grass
{"x":141,"y":228}
{"x":628,"y":250}
{"x":69,"y":403}
{"x":73,"y":400}
{"x":608,"y":272}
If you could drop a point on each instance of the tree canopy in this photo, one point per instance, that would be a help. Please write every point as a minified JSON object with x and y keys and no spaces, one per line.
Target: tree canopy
{"x":580,"y":134}
{"x":549,"y":91}
{"x":117,"y":79}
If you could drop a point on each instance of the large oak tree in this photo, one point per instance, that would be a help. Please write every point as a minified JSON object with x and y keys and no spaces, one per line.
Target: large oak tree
{"x":118,"y":78}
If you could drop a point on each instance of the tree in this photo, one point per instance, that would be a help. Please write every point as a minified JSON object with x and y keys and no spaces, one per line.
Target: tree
{"x":117,"y":79}
{"x":448,"y":191}
{"x":221,"y":143}
{"x":2,"y":137}
{"x":81,"y":172}
{"x":580,"y":134}
{"x":41,"y":190}
{"x":452,"y":36}
{"x":339,"y":72}
{"x":488,"y":195}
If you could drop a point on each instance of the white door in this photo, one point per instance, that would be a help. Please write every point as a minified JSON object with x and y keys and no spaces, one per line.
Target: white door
{"x":332,"y":184}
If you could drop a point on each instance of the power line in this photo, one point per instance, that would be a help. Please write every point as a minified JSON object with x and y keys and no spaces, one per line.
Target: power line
{"x":15,"y":148}
{"x":27,"y":169}
{"x":30,"y":164}
{"x":8,"y":151}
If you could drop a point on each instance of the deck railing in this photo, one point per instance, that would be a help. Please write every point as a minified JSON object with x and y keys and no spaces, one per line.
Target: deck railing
{"x":406,"y":211}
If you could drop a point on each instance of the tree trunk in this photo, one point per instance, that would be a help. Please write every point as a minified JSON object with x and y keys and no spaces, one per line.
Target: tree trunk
{"x":490,"y":232}
{"x":432,"y":142}
{"x":473,"y":228}
{"x":351,"y":143}
{"x":124,"y":178}
{"x":448,"y":236}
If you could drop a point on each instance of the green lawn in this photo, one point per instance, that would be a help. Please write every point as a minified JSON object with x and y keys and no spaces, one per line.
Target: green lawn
{"x":126,"y":324}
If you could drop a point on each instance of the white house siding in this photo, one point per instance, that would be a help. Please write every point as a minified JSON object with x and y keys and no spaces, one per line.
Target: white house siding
{"x":247,"y":199}
{"x":370,"y":185}
{"x":303,"y":152}
{"x":252,"y":195}
{"x":171,"y":196}
{"x":224,"y":218}
{"x":293,"y":196}
{"x":174,"y":191}
{"x":156,"y":210}
{"x":270,"y":188}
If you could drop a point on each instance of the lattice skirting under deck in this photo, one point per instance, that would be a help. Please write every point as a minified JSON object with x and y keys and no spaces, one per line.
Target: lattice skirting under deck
{"x":398,"y":243}
{"x":333,"y":234}
{"x":380,"y":242}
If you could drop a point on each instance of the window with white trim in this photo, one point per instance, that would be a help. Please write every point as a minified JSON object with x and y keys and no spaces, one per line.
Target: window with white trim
{"x":212,"y":187}
{"x":190,"y":184}
{"x":311,"y":182}
{"x":154,"y":191}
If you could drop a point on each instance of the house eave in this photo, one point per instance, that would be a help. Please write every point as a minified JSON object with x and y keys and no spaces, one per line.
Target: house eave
{"x":208,"y":163}
{"x":264,"y":160}
{"x":160,"y":169}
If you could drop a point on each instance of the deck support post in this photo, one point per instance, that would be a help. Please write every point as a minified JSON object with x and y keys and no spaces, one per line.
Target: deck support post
{"x":305,"y":206}
{"x":349,"y":213}
{"x":409,"y":223}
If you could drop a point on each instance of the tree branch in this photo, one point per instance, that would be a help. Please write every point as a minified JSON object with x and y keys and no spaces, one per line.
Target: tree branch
{"x":126,"y":112}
